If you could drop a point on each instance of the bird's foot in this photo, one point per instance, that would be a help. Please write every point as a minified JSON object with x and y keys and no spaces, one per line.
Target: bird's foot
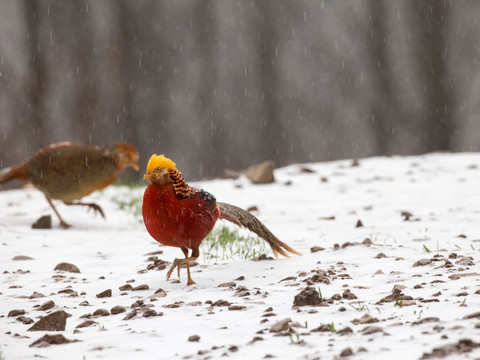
{"x":177,"y":263}
{"x":96,"y":209}
{"x":64,"y":225}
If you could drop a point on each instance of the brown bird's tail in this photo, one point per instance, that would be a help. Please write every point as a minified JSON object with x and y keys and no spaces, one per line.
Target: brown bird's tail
{"x":243,"y":218}
{"x":14,"y":173}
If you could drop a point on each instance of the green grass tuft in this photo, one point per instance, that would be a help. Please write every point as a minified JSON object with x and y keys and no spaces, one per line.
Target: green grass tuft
{"x":227,"y":244}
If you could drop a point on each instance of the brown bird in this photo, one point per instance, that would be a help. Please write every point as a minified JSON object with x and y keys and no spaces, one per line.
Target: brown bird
{"x":176,"y":214}
{"x":68,"y":172}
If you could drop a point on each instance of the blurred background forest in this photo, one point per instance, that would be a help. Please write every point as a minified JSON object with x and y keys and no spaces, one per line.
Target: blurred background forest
{"x":223,"y":84}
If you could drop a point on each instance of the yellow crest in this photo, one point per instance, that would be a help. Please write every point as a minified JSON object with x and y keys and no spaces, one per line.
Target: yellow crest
{"x":160,"y":161}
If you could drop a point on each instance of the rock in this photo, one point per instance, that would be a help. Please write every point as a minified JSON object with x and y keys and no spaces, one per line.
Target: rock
{"x":315,"y":249}
{"x":347,"y":294}
{"x":346,"y":352}
{"x":281,"y":325}
{"x":371,"y":330}
{"x":461,"y":347}
{"x":323,"y":328}
{"x":105,"y":293}
{"x":130,"y":315}
{"x":194,"y":338}
{"x":47,"y":305}
{"x":308,"y":296}
{"x":48,"y":339}
{"x":67,"y":267}
{"x":118,"y":310}
{"x":367,"y":242}
{"x":140,"y":287}
{"x":261,"y":173}
{"x":359,"y":223}
{"x":426,"y":320}
{"x":101,"y":312}
{"x":55,"y":321}
{"x":262,"y":257}
{"x":160,"y":293}
{"x":16,"y":312}
{"x":25,"y":320}
{"x":227,"y":284}
{"x":466,"y":261}
{"x":345,"y":331}
{"x":44,"y":222}
{"x":365,"y":319}
{"x":221,"y":302}
{"x":36,"y":295}
{"x":459,"y":276}
{"x":149,"y":313}
{"x":422,"y":262}
{"x":21,"y":258}
{"x":125,"y":287}
{"x":236,"y":307}
{"x":86,"y":323}
{"x":475,"y":315}
{"x":380,"y":256}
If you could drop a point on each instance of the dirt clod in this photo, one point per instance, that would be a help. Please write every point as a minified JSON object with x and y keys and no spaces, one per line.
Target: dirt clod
{"x":308,"y":296}
{"x":140,"y":287}
{"x":101,"y":312}
{"x":47,"y":305}
{"x":422,"y":262}
{"x":55,"y":321}
{"x":461,"y":347}
{"x":365,"y":319}
{"x":346,"y":352}
{"x":281,"y":325}
{"x":25,"y":320}
{"x":16,"y":312}
{"x":194,"y":338}
{"x":48,"y":339}
{"x":261,"y":173}
{"x":43,"y":222}
{"x":117,"y":310}
{"x":86,"y":323}
{"x":67,"y":267}
{"x":105,"y":293}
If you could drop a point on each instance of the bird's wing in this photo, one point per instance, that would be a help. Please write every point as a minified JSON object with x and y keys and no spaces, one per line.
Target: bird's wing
{"x":245,"y":219}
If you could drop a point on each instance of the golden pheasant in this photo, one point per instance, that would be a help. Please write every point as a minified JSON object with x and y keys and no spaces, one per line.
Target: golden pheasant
{"x":68,"y":172}
{"x":176,"y":214}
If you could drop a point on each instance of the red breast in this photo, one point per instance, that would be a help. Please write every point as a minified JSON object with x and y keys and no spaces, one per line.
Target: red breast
{"x":175,"y":222}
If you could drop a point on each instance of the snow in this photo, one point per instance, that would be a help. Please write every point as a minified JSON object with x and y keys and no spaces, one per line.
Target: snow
{"x":439,"y":190}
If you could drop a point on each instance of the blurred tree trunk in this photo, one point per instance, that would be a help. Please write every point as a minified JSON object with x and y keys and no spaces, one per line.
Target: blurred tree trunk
{"x":35,"y":89}
{"x":383,"y":111}
{"x":127,"y":37}
{"x":437,"y":121}
{"x":267,"y":48}
{"x":206,"y":43}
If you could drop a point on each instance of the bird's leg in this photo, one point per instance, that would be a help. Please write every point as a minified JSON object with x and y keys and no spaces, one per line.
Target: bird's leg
{"x":177,"y":263}
{"x":62,"y":222}
{"x":92,"y":206}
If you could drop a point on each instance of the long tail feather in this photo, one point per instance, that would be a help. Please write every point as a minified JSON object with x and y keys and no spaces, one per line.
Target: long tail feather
{"x":243,"y":218}
{"x":13,"y":173}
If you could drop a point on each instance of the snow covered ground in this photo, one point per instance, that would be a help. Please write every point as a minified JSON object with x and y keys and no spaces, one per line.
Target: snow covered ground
{"x":403,"y":284}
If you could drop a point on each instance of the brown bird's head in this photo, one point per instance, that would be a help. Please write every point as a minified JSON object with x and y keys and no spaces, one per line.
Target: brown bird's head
{"x":158,"y":169}
{"x":125,"y":155}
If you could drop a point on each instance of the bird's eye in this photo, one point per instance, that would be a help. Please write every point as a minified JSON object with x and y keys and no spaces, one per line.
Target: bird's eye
{"x":157,"y":169}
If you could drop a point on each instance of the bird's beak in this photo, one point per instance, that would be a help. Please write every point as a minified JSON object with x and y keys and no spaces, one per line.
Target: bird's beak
{"x":147,"y":176}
